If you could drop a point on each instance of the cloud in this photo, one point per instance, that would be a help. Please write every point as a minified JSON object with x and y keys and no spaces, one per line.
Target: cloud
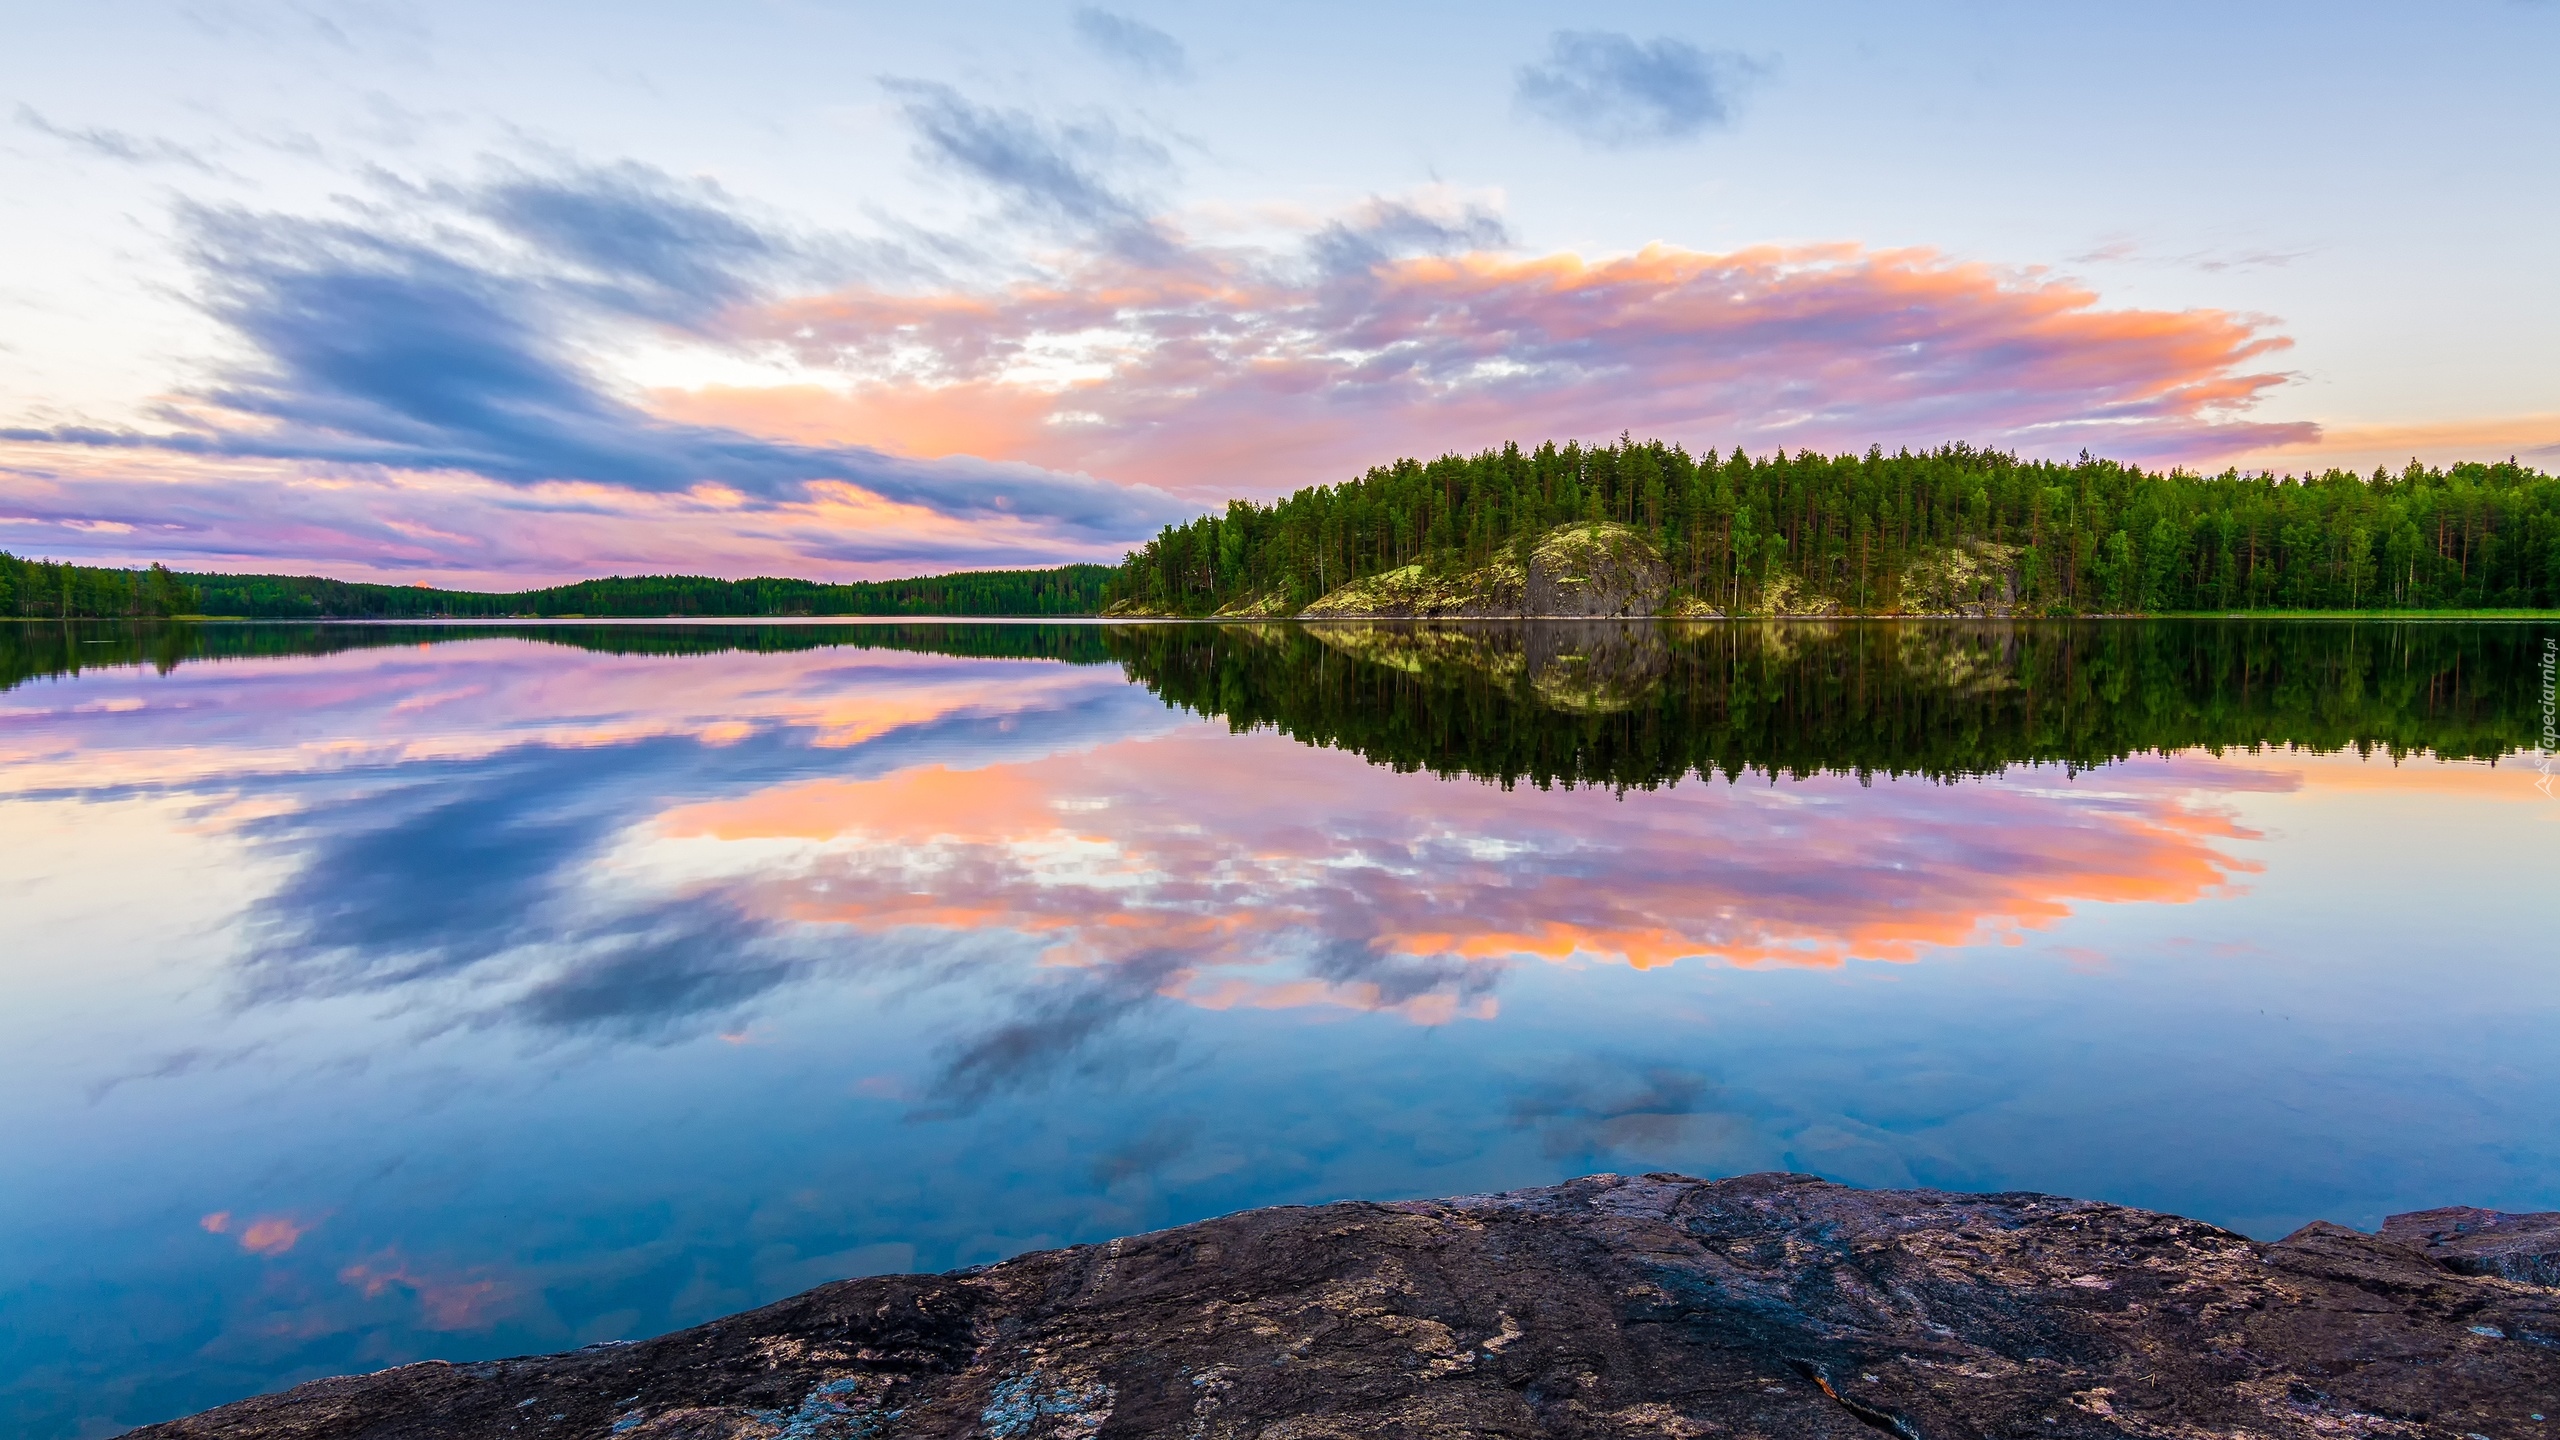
{"x":424,"y":385}
{"x":412,"y":344}
{"x":1384,"y":230}
{"x":1058,"y":174}
{"x":116,"y":144}
{"x":1615,"y":91}
{"x":129,"y":505}
{"x":1133,"y":45}
{"x":2532,"y":438}
{"x":646,"y":244}
{"x":1235,"y":372}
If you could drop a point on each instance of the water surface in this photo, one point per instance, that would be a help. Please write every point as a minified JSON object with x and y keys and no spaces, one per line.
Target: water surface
{"x":377,"y":993}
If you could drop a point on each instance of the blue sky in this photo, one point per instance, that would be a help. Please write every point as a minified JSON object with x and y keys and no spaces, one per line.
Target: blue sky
{"x":538,"y":290}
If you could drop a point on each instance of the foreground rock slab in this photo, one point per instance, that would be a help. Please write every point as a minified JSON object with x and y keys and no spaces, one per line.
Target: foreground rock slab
{"x":1770,"y":1305}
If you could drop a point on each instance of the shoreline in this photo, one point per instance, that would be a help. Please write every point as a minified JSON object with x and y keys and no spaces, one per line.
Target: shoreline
{"x":1664,"y":1305}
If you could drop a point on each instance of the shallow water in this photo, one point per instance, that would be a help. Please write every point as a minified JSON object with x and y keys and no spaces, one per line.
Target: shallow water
{"x":381,"y":993}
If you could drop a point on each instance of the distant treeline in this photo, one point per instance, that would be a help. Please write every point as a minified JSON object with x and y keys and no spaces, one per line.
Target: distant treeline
{"x":47,"y":590}
{"x":2096,"y":536}
{"x":1641,"y":706}
{"x":30,"y":651}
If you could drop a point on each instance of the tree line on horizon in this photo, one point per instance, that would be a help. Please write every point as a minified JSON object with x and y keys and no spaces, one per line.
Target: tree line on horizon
{"x":40,"y":589}
{"x":2091,"y":536}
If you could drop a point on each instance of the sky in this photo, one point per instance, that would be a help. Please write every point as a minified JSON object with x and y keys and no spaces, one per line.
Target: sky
{"x":512,"y":294}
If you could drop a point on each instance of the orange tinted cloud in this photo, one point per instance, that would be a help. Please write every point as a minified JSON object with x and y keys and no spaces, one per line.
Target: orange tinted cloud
{"x":2532,"y":439}
{"x":1228,"y":371}
{"x":121,"y":507}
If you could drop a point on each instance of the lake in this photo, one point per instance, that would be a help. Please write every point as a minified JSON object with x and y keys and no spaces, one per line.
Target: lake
{"x":376,"y":993}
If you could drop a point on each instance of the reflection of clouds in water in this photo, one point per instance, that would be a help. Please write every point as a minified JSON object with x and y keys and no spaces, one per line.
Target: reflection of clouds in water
{"x":915,"y":818}
{"x":1279,"y":885}
{"x":481,"y":868}
{"x":1593,"y":1111}
{"x":437,"y":874}
{"x":484,"y":874}
{"x":1075,"y":1023}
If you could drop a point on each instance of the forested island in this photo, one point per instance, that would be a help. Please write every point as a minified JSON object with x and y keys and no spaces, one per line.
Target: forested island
{"x":1952,"y":531}
{"x":1625,"y":529}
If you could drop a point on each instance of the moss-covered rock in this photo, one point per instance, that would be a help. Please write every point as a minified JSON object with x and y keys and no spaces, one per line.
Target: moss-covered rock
{"x":1596,"y":569}
{"x":1971,"y":577}
{"x":1590,"y":570}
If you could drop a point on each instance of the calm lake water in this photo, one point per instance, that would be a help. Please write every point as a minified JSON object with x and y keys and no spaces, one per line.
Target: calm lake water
{"x":378,"y":993}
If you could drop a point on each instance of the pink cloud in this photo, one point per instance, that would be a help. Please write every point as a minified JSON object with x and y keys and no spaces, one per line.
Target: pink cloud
{"x":1228,"y":372}
{"x":127,"y":507}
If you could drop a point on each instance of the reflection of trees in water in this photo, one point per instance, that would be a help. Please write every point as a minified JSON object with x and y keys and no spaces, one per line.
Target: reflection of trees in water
{"x":32,"y":649}
{"x":1641,"y":703}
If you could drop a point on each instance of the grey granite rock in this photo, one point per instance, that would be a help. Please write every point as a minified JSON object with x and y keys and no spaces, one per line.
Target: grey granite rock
{"x":1764,"y":1306}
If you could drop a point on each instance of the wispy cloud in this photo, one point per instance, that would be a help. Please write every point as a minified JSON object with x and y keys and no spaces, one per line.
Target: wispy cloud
{"x":1382,"y":229}
{"x":1063,"y":174}
{"x":1615,"y":91}
{"x":1133,"y":45}
{"x":636,"y":240}
{"x":2212,"y":261}
{"x":115,"y":144}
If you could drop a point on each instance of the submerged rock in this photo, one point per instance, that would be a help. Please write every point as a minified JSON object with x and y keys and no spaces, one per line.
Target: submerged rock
{"x":1770,"y":1305}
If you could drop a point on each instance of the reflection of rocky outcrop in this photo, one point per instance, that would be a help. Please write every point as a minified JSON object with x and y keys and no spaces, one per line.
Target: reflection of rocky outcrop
{"x":1595,"y":667}
{"x":1662,"y":1306}
{"x":1580,"y":667}
{"x":1591,"y":569}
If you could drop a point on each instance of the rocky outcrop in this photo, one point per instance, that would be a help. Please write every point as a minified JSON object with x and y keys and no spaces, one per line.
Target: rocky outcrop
{"x":1972,"y":577}
{"x":2523,"y":1248}
{"x":1596,"y":569}
{"x":1590,"y":570}
{"x":1765,"y":1306}
{"x":1410,"y":592}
